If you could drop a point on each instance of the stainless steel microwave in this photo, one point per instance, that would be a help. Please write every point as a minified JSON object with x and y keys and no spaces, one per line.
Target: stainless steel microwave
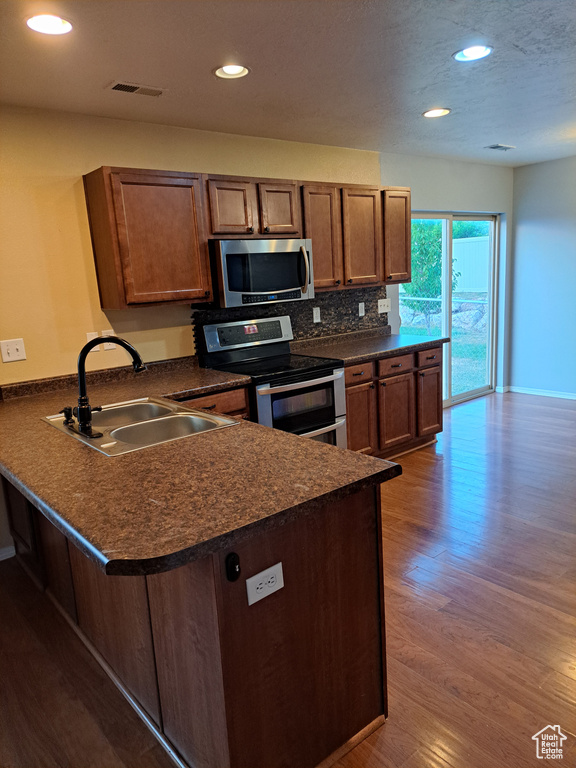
{"x":263,"y":271}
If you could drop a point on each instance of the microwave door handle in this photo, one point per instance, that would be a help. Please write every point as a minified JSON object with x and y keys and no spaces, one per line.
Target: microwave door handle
{"x":304,"y":253}
{"x":266,"y":389}
{"x":258,"y":293}
{"x":332,"y":428}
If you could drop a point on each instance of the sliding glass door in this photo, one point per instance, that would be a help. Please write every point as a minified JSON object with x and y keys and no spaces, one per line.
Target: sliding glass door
{"x":452,"y":294}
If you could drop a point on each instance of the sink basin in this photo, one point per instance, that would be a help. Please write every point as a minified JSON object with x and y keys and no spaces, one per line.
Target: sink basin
{"x":128,"y":413}
{"x":138,"y":424}
{"x":164,"y":429}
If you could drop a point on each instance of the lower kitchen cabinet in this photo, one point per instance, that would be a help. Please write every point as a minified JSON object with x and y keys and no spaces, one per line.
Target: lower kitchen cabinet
{"x":398,"y":405}
{"x":361,"y":410}
{"x":23,"y":524}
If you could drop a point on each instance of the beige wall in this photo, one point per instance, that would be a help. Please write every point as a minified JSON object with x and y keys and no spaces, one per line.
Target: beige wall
{"x":48,"y":290}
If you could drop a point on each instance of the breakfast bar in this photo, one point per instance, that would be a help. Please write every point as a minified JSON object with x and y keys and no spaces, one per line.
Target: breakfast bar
{"x":136,"y":551}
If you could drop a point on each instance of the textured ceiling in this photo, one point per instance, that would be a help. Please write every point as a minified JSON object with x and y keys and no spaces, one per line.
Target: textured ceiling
{"x":353,"y":73}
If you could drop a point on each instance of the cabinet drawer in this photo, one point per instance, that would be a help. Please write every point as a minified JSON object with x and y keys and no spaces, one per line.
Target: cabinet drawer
{"x":430,"y":357}
{"x":356,"y":374}
{"x":222,"y":402}
{"x":398,"y":364}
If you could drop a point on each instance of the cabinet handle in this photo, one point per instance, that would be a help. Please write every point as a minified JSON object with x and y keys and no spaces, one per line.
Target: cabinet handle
{"x":209,"y":407}
{"x":422,"y":374}
{"x":206,"y":293}
{"x":251,"y":229}
{"x":396,"y":365}
{"x":371,"y":386}
{"x":266,"y":229}
{"x":338,"y":282}
{"x":358,"y":374}
{"x":389,"y":277}
{"x":431,"y":357}
{"x":350,"y":280}
{"x":382,"y":383}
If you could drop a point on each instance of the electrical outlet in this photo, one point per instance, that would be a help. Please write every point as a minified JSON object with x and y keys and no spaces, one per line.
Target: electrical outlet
{"x":316,"y":314}
{"x":12,"y":349}
{"x":89,"y":337}
{"x":109,"y":332}
{"x":384,"y":305}
{"x":264,"y":583}
{"x":361,"y":311}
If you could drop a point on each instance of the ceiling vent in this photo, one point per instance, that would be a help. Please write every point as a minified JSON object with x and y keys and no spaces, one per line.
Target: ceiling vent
{"x":500,"y":147}
{"x":143,"y":90}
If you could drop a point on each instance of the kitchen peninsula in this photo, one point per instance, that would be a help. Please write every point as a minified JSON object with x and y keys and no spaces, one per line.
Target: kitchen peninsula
{"x":134,"y":549}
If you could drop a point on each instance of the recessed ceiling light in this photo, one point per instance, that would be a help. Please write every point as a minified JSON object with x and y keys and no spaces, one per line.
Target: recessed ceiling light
{"x":231,"y":71}
{"x":438,"y":112}
{"x":473,"y":53}
{"x":49,"y":25}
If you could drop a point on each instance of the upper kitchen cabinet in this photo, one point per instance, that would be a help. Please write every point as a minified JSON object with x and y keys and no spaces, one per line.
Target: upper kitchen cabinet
{"x":362,"y":235}
{"x":245,"y":207}
{"x":322,"y":209}
{"x":148,"y":236}
{"x":397,"y":230}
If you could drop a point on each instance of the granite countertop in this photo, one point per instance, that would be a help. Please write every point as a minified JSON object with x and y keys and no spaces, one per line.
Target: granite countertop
{"x":158,"y":508}
{"x":363,"y":346}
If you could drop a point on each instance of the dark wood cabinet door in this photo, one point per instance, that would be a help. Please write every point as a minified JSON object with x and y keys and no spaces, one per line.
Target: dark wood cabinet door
{"x":362,"y":235}
{"x":233,"y":207}
{"x":397,"y":235}
{"x":162,"y":249}
{"x":279,"y":209}
{"x":57,"y":565}
{"x":323,"y":225}
{"x":23,"y":523}
{"x":429,"y":401}
{"x":396,"y":410}
{"x":361,"y":418}
{"x":113,"y":614}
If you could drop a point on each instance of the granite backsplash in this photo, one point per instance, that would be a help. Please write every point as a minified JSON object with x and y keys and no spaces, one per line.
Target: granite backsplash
{"x":338,"y":312}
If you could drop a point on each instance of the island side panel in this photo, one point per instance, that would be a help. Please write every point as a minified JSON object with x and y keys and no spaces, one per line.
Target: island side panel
{"x":184,"y":618}
{"x":113,"y":614}
{"x":304,"y":667}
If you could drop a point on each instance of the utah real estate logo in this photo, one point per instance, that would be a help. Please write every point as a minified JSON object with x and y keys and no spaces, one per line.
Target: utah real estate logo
{"x":549,"y":743}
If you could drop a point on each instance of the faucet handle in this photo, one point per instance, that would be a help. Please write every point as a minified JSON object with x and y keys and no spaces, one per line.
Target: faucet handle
{"x":67,"y":411}
{"x":96,"y":408}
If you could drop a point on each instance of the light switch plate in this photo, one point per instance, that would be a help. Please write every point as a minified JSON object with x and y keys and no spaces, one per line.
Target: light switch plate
{"x":12,"y":349}
{"x":384,"y":305}
{"x":361,"y":310}
{"x":316,"y":314}
{"x":264,"y":583}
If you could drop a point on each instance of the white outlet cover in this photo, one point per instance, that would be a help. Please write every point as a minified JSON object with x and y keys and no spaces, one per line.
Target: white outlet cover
{"x":384,"y":305}
{"x":316,"y":314}
{"x":264,"y":583}
{"x":109,"y":332}
{"x":361,"y":310}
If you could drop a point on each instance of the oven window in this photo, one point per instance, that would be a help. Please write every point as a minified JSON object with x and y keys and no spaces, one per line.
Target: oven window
{"x":304,"y":410}
{"x":264,"y":272}
{"x":303,"y":403}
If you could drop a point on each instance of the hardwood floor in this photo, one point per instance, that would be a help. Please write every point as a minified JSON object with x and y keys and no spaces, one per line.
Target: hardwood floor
{"x":480,"y":551}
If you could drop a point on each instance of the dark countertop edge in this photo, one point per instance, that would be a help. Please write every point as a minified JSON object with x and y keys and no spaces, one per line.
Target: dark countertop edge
{"x":174,"y":560}
{"x":71,"y":533}
{"x":231,"y":539}
{"x":316,"y":348}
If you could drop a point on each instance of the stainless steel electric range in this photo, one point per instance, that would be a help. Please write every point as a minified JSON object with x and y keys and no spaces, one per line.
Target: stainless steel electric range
{"x":296,"y":393}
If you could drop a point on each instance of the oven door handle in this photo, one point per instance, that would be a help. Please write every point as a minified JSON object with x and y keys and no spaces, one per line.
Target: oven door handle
{"x":341,"y":421}
{"x":266,"y":389}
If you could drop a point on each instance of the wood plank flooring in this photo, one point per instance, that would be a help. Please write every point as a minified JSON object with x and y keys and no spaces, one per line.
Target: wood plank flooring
{"x":480,"y":548}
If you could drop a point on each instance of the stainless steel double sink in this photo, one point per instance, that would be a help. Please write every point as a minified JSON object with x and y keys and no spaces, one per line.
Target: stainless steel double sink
{"x":137,"y":424}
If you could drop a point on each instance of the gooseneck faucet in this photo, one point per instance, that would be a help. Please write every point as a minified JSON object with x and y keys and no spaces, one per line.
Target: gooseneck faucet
{"x":83,"y":411}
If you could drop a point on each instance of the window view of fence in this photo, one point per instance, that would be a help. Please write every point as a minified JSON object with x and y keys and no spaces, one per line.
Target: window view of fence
{"x":429,"y":308}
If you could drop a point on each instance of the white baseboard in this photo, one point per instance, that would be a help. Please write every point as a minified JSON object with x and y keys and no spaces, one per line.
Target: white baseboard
{"x":543,"y":393}
{"x":6,"y":552}
{"x":502,"y":390}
